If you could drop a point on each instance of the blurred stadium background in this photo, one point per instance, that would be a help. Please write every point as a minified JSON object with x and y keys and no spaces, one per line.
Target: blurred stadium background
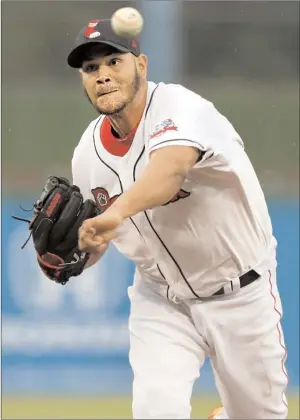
{"x":64,"y":349}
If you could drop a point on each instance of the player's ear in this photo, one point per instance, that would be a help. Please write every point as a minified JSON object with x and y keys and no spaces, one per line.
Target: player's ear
{"x":142,"y":64}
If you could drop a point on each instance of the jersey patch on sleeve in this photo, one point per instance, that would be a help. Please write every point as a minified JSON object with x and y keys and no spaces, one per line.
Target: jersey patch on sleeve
{"x":166,"y":125}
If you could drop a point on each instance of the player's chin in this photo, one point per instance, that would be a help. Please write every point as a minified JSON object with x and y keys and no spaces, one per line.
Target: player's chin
{"x":110,"y":108}
{"x":108,"y":105}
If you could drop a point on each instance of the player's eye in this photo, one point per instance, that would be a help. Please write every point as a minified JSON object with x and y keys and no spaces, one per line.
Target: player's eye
{"x":114,"y":61}
{"x":90,"y":68}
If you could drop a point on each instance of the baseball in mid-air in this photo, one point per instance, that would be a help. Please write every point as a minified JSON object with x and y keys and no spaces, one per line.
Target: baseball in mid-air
{"x":127,"y":22}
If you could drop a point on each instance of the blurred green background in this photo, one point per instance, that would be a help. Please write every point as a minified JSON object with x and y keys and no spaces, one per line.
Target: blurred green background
{"x":243,"y":56}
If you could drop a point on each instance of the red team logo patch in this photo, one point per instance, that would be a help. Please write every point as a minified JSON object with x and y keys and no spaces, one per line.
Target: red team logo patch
{"x":91,"y":29}
{"x":102,"y":199}
{"x":166,"y":125}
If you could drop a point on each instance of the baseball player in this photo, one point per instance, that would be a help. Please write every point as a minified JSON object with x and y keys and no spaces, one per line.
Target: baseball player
{"x":164,"y":176}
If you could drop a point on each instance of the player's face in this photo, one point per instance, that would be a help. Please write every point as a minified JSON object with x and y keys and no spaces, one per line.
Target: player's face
{"x":112,"y":81}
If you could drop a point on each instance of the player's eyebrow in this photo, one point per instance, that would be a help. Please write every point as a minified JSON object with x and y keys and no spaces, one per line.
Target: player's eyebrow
{"x":113,"y":53}
{"x":101,"y":51}
{"x":103,"y":54}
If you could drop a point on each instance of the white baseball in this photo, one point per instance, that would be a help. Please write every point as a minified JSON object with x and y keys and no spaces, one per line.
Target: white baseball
{"x":127,"y":22}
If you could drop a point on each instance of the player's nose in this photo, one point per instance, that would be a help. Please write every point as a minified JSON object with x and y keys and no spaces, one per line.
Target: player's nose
{"x":103,"y":79}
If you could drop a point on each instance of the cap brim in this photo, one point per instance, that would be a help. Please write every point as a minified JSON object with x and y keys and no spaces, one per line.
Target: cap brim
{"x":77,"y":55}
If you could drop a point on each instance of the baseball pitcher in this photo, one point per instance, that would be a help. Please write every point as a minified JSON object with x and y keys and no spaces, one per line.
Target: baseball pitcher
{"x":164,"y":176}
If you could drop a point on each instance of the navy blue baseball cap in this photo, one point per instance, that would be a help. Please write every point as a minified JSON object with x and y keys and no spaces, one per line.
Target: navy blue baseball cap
{"x":99,"y":32}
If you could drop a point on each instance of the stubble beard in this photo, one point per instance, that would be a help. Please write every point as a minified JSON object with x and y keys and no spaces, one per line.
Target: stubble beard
{"x":119,"y":109}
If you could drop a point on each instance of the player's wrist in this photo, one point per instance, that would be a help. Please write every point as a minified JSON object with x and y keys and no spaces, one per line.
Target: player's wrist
{"x":120,"y":209}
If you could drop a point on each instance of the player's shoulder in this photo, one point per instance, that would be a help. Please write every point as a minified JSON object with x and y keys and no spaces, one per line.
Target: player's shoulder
{"x":177,"y":95}
{"x":86,"y":139}
{"x":186,"y":108}
{"x":179,"y":102}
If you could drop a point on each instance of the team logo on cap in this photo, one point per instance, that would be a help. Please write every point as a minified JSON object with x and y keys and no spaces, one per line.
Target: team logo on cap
{"x":166,"y":125}
{"x":95,"y":35}
{"x":90,"y":31}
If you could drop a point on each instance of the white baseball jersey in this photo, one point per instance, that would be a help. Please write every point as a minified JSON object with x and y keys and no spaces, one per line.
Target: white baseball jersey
{"x":215,"y":229}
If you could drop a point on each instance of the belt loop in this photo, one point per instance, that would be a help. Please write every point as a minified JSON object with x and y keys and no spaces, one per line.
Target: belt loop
{"x":235,"y":284}
{"x":228,"y":288}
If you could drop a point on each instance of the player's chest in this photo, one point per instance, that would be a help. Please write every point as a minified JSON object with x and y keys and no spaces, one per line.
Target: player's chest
{"x":110,"y":176}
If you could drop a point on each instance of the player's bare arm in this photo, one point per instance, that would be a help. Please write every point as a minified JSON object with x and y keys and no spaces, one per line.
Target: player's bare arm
{"x":160,"y":181}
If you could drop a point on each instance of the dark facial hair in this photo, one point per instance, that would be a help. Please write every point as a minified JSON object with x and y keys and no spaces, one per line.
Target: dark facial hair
{"x":134,"y":89}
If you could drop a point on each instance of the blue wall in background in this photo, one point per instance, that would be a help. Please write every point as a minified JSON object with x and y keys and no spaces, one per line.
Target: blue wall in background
{"x":74,"y":338}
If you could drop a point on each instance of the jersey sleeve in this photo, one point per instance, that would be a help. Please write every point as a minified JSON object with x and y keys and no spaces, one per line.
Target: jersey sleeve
{"x":174,"y":130}
{"x":186,"y":119}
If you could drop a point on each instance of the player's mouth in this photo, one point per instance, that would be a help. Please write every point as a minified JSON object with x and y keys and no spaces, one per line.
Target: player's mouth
{"x":105,"y":93}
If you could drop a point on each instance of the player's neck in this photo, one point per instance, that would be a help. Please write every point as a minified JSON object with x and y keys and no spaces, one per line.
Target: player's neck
{"x":125,"y":122}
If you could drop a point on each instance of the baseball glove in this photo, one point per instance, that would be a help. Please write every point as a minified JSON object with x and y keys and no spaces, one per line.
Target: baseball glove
{"x":58,"y":214}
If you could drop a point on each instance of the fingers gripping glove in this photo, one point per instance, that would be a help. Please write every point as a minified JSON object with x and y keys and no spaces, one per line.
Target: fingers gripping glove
{"x":58,"y":214}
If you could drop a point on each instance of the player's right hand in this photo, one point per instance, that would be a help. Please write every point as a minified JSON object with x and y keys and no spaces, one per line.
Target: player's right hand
{"x":97,"y":232}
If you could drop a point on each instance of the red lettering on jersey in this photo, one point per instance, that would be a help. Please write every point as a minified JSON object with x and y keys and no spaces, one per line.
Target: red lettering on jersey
{"x":181,"y":194}
{"x":104,"y":201}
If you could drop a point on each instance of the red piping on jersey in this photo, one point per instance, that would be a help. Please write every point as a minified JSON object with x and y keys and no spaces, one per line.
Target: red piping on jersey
{"x":279,"y":336}
{"x":115,"y":145}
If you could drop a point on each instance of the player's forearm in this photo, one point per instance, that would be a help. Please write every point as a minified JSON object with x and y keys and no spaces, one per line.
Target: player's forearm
{"x":154,"y":188}
{"x":160,"y":181}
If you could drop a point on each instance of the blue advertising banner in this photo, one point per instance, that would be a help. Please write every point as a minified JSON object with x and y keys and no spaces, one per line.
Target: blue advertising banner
{"x":74,"y":338}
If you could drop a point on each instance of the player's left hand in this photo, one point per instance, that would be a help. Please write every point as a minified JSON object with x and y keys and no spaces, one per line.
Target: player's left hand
{"x":96,"y":233}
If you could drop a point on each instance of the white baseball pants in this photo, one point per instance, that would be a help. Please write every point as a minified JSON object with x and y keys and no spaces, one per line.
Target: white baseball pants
{"x":241,"y":334}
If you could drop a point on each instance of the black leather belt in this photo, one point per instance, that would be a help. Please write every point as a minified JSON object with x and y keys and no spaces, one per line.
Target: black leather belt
{"x":245,"y":279}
